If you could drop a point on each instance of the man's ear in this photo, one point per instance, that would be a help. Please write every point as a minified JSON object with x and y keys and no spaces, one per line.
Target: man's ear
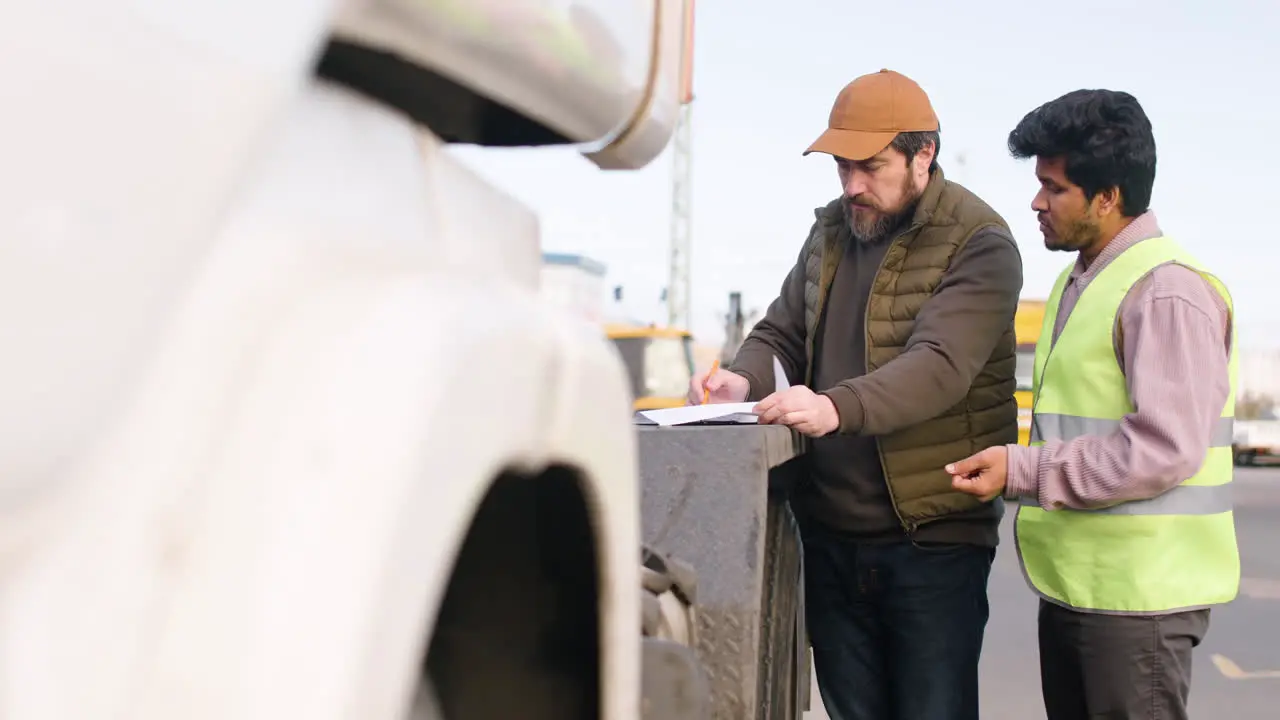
{"x":1108,"y":201}
{"x":924,"y":159}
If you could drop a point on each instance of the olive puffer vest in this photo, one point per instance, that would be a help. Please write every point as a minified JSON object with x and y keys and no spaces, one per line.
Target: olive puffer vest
{"x":914,"y":264}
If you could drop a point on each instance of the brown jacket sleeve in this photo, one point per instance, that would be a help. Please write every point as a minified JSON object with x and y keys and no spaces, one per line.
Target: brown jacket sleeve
{"x":780,"y":332}
{"x":955,"y":333}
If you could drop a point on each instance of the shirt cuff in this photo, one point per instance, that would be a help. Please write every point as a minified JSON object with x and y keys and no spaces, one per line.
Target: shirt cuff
{"x":848,"y":407}
{"x":1021,"y":474}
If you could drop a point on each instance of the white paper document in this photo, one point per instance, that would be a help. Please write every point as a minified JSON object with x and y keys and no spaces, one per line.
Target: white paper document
{"x":719,"y":412}
{"x":779,"y":376}
{"x":727,"y":413}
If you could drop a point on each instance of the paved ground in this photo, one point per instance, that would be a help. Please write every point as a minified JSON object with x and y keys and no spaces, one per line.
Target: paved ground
{"x":1237,"y":669}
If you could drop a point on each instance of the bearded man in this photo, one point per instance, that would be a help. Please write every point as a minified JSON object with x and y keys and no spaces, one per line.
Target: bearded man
{"x":896,"y":329}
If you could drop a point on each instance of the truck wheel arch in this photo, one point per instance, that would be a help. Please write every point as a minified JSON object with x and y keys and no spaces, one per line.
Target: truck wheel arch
{"x":517,"y":633}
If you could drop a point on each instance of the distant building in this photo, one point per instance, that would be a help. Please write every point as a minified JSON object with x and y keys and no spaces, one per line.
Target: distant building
{"x":575,"y":283}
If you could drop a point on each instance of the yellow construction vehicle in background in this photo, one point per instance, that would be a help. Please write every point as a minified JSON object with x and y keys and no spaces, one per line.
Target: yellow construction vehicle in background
{"x":1026,"y":328}
{"x":659,"y":361}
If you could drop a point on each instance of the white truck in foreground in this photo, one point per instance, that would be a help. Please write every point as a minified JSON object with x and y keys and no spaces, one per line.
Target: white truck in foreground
{"x":266,"y":450}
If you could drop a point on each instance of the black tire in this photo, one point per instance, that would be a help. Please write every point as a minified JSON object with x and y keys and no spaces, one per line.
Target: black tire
{"x":784,"y":644}
{"x":517,"y":632}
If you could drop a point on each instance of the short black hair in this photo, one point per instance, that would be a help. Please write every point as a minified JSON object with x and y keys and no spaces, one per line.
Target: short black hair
{"x":1103,"y":136}
{"x":910,"y":143}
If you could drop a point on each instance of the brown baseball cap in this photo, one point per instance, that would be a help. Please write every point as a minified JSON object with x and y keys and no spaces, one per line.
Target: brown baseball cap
{"x":870,"y":111}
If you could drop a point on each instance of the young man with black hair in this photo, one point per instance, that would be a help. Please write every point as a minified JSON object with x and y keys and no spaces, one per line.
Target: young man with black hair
{"x":1125,"y":526}
{"x":895,"y":329}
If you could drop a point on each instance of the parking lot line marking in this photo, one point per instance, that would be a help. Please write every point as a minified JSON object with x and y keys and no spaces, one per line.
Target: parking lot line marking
{"x":1232,"y":671}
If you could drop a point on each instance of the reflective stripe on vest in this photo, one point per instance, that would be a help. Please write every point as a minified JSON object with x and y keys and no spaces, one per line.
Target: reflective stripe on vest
{"x":1048,"y":426}
{"x":1171,"y":552}
{"x":1180,"y":500}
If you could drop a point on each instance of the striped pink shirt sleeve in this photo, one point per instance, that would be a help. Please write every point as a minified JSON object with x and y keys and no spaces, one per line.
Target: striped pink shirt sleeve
{"x":1175,"y":331}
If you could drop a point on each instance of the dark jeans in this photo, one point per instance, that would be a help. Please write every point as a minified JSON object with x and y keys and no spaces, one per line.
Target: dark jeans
{"x":1114,"y":667}
{"x":896,"y":629}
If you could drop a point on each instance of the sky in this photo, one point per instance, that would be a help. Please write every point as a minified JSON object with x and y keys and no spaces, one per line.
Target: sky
{"x":766,"y":74}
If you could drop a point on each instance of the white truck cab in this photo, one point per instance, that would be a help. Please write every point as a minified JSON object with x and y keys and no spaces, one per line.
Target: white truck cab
{"x":285,"y":429}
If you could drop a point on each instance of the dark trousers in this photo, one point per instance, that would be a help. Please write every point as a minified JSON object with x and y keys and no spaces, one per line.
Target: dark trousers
{"x":896,"y":629}
{"x":1117,"y":667}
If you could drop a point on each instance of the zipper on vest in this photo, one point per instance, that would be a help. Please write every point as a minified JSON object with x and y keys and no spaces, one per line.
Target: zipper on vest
{"x":911,"y":526}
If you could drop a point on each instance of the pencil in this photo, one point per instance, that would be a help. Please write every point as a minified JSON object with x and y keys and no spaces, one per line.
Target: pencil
{"x":706,"y":393}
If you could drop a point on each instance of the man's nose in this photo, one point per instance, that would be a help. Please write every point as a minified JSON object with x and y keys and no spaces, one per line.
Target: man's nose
{"x":856,"y":184}
{"x":1040,"y":203}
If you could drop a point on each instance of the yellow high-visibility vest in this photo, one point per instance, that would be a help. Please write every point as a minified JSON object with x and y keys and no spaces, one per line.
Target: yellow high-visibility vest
{"x":1172,"y":552}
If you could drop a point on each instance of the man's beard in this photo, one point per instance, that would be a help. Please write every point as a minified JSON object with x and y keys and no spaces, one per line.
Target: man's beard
{"x":1081,"y":233}
{"x":871,"y":226}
